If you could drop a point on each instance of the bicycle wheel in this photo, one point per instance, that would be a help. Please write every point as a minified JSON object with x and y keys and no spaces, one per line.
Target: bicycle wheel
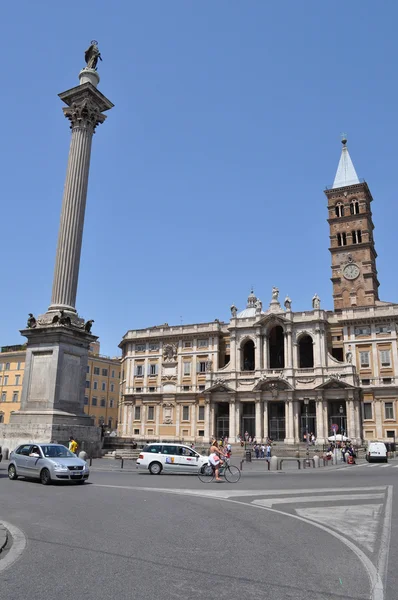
{"x":206,"y":474}
{"x":232,"y":474}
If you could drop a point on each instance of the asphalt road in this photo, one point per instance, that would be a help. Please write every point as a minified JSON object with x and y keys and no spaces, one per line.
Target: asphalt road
{"x":314,"y":534}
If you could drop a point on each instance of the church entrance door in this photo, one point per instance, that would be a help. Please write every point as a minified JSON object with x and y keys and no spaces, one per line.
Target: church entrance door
{"x":222,"y":420}
{"x":248,"y":419}
{"x":276,"y":425}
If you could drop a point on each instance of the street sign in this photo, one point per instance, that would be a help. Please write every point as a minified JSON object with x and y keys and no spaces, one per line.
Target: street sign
{"x":335,"y":428}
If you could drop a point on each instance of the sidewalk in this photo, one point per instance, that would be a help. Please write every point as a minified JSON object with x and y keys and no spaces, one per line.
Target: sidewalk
{"x":3,"y":537}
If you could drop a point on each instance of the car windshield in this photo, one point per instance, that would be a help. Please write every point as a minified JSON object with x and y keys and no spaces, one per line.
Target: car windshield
{"x":57,"y":452}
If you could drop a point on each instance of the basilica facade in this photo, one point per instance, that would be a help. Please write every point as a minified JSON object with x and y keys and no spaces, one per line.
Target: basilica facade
{"x":270,"y":371}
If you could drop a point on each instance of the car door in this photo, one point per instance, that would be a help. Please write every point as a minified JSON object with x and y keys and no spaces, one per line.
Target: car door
{"x":188,"y":460}
{"x":32,"y":463}
{"x":20,"y":456}
{"x":171,"y":463}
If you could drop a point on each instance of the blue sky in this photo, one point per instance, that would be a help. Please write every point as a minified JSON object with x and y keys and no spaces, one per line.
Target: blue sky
{"x":208,"y":175}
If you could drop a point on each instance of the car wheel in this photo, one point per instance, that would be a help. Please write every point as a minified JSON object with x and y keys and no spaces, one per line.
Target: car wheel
{"x":155,"y":468}
{"x":45,"y":477}
{"x":12,"y":472}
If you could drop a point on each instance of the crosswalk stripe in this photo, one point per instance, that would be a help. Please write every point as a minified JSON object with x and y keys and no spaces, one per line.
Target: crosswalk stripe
{"x":395,"y":466}
{"x":370,"y":466}
{"x":306,"y":499}
{"x":385,"y":466}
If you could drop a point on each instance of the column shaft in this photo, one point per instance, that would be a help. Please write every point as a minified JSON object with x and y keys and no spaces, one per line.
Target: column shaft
{"x":265,"y":420}
{"x":70,"y":236}
{"x":258,"y":420}
{"x":232,"y":429}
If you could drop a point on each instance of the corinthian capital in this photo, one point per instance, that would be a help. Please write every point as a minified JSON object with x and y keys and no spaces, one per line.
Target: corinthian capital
{"x":84,"y":114}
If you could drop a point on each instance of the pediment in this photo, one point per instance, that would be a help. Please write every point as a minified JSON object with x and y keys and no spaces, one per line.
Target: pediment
{"x":334,"y":383}
{"x":220,"y":385}
{"x":271,"y":319}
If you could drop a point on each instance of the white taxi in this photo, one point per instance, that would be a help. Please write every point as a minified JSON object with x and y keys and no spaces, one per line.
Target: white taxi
{"x":170,"y":458}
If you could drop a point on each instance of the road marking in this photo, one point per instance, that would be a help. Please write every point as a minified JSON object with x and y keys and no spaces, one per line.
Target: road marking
{"x":359,"y":522}
{"x":18,"y":546}
{"x":307,"y":499}
{"x":229,"y":493}
{"x":385,"y":466}
{"x":370,"y":466}
{"x":377,"y":576}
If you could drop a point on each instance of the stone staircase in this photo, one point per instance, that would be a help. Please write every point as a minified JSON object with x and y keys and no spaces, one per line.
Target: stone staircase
{"x":124,"y":453}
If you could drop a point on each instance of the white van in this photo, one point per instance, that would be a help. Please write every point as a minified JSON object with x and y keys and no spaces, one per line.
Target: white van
{"x":376,"y":452}
{"x":170,"y":458}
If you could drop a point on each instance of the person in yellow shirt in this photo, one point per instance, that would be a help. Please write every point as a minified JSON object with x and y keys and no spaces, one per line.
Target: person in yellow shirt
{"x":72,"y":444}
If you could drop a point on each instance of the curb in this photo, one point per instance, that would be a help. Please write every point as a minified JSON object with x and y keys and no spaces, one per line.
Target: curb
{"x":3,"y":536}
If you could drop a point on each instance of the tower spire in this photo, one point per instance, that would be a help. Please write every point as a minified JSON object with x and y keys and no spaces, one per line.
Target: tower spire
{"x":346,"y":174}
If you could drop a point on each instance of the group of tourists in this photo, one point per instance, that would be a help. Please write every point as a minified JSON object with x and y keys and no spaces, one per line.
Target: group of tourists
{"x":346,"y":450}
{"x":309,"y":438}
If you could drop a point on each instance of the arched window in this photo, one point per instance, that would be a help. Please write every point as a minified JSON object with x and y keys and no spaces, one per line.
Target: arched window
{"x":248,"y":356}
{"x":1,"y":417}
{"x":339,"y":208}
{"x":276,"y":348}
{"x":306,"y":352}
{"x":356,"y":236}
{"x":354,"y":207}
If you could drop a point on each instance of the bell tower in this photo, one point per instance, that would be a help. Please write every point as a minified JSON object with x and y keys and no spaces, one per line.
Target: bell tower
{"x":354,"y":273}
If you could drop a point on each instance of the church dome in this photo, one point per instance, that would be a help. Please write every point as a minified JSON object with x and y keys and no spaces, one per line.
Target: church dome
{"x":250,"y":310}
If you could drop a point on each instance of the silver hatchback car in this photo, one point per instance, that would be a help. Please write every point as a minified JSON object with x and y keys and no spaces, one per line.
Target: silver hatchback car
{"x":47,"y":462}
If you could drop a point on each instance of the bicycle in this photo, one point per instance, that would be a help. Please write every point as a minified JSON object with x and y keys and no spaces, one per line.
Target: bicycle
{"x":231,"y":473}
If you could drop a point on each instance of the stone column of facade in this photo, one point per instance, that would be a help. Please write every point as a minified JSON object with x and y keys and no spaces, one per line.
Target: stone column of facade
{"x":265,"y":420}
{"x":130,"y":421}
{"x":84,"y":111}
{"x":258,"y":352}
{"x":317,"y":348}
{"x":289,"y":356}
{"x":295,"y":351}
{"x":237,"y":418}
{"x":143,"y":420}
{"x":296,"y":419}
{"x":258,"y":419}
{"x":194,"y":410}
{"x":232,"y":427}
{"x":325,"y":418}
{"x":125,"y":422}
{"x":378,"y":418}
{"x":265,"y":352}
{"x":212,"y":420}
{"x":357,"y":419}
{"x":289,"y":421}
{"x":157,"y":419}
{"x":232,"y":348}
{"x":320,"y":425}
{"x":207,"y":419}
{"x":178,"y":416}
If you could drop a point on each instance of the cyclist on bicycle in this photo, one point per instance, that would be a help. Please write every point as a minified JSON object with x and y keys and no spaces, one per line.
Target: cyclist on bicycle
{"x":215,"y":460}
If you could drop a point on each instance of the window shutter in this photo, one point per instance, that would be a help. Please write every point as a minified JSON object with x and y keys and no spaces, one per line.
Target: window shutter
{"x":156,"y":369}
{"x":198,"y":367}
{"x":135,"y":370}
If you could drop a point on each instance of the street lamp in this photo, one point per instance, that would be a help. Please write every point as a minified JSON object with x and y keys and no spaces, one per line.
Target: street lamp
{"x":341,"y":411}
{"x":306,"y":403}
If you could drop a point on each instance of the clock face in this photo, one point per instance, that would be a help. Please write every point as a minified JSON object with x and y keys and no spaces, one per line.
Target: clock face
{"x":351,"y":271}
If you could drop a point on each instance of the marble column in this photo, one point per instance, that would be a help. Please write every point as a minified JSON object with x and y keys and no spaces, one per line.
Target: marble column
{"x":257,"y":353}
{"x":207,"y":419}
{"x":258,"y":419}
{"x":265,"y":352}
{"x":157,"y":417}
{"x":85,"y":105}
{"x":296,"y":420}
{"x":232,"y":428}
{"x":265,"y":420}
{"x":320,"y":425}
{"x":237,"y":419}
{"x":125,"y":419}
{"x":178,"y":416}
{"x":289,"y":356}
{"x":212,"y":420}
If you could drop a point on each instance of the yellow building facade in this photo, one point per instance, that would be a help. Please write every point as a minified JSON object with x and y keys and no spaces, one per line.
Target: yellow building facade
{"x":102,"y":384}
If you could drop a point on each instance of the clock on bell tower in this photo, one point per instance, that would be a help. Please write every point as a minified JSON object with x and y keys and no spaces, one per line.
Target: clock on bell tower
{"x":354,"y":273}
